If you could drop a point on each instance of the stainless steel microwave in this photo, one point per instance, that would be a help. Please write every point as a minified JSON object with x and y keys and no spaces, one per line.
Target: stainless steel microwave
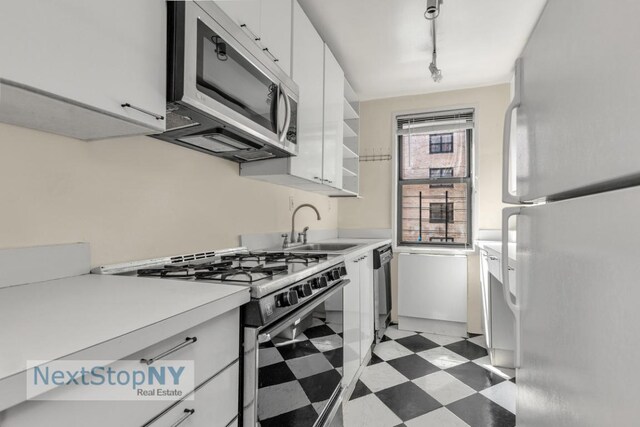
{"x":225,"y":96}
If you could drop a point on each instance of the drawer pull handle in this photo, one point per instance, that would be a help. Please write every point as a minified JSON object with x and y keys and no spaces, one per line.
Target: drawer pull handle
{"x":251,"y":34}
{"x":187,"y":414}
{"x":493,"y":258}
{"x":187,"y":341}
{"x":154,"y":115}
{"x":271,"y":56}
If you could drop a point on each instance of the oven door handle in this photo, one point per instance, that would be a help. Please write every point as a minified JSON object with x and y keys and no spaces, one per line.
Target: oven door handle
{"x":297,"y":316}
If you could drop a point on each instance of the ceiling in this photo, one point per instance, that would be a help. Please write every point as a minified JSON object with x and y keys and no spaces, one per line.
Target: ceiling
{"x":385,"y":46}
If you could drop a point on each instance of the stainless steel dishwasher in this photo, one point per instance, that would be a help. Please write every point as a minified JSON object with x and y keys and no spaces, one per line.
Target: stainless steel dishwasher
{"x":382,"y":257}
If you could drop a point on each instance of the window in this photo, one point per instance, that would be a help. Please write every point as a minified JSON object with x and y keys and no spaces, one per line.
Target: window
{"x":434,"y":191}
{"x":441,"y":173}
{"x":441,"y":143}
{"x":439,"y":215}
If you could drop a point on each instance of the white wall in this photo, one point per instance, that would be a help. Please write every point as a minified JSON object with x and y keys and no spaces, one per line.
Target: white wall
{"x":135,"y":198}
{"x":373,"y":210}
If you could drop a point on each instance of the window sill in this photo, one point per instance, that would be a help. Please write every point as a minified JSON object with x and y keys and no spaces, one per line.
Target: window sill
{"x":433,"y":251}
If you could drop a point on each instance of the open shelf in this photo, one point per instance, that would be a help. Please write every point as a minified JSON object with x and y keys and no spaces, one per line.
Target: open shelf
{"x":352,"y":144}
{"x":350,"y":94}
{"x":350,"y":110}
{"x":350,"y":184}
{"x":348,"y":153}
{"x":348,"y":172}
{"x":348,"y":131}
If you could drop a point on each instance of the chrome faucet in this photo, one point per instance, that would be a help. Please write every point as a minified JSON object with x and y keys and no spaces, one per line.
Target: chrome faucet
{"x":293,"y":223}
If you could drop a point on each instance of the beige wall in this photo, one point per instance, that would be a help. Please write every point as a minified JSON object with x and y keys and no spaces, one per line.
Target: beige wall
{"x":373,"y":210}
{"x":134,"y":198}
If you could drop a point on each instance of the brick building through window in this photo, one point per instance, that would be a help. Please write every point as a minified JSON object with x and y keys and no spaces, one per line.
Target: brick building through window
{"x":434,"y":180}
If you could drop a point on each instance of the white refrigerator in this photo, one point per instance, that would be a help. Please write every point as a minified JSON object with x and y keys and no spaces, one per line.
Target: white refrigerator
{"x":575,"y":156}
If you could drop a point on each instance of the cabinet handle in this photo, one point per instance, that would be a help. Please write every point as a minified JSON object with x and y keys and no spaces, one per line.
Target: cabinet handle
{"x":187,"y":414}
{"x":154,"y":115}
{"x":268,"y":52}
{"x":510,"y":268}
{"x":493,"y":258}
{"x":328,"y":180}
{"x":248,"y":31}
{"x":318,"y":178}
{"x":188,"y":341}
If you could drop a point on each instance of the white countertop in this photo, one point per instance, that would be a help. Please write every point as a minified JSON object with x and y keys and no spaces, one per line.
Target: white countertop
{"x":496,"y":248}
{"x":89,"y":315}
{"x":363,"y":245}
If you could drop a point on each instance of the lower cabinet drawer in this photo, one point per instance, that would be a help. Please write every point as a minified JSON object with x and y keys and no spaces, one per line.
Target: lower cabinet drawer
{"x":214,"y":404}
{"x":495,"y":266}
{"x":216,"y":347}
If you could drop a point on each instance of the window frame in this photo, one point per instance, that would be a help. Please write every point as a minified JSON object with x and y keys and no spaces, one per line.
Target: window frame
{"x":398,"y":187}
{"x":440,"y":151}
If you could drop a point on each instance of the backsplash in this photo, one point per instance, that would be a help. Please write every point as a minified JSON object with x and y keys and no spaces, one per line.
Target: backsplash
{"x":135,"y":198}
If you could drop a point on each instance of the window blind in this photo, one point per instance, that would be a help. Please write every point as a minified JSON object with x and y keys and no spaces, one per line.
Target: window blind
{"x":434,"y":122}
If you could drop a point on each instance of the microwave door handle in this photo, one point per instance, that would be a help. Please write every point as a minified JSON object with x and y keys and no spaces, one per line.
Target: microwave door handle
{"x":274,"y":111}
{"x":282,"y":132}
{"x":287,"y":120}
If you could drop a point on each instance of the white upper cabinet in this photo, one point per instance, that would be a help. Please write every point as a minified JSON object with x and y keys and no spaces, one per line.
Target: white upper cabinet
{"x":275,"y":31}
{"x":308,"y":73}
{"x":245,"y":13}
{"x":333,"y":120}
{"x":268,"y":23}
{"x":69,"y":66}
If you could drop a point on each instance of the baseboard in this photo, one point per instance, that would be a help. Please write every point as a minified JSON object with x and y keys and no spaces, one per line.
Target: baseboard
{"x":440,"y":327}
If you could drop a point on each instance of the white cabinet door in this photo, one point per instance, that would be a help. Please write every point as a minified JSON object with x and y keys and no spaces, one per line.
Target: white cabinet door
{"x":432,"y":287}
{"x":486,"y":295}
{"x":333,"y":118}
{"x":351,"y":323}
{"x":100,"y":57}
{"x":275,"y":31}
{"x":245,"y":13}
{"x":366,"y":304}
{"x":308,"y":72}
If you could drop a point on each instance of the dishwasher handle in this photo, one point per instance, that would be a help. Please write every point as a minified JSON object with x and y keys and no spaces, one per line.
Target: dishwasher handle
{"x":381,"y":256}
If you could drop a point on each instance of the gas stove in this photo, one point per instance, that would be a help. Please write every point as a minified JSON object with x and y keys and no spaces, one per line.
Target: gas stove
{"x":296,"y":303}
{"x":279,"y":281}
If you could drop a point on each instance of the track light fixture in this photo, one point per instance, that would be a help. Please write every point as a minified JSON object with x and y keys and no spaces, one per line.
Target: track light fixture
{"x":430,"y":14}
{"x":433,"y":9}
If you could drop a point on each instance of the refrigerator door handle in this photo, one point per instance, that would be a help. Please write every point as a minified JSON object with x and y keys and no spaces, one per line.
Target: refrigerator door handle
{"x":507,"y":197}
{"x":506,"y":214}
{"x":513,"y":306}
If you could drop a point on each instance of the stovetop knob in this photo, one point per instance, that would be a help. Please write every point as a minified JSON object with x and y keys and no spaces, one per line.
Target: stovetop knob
{"x":287,"y":299}
{"x":304,"y":290}
{"x":322,"y":282}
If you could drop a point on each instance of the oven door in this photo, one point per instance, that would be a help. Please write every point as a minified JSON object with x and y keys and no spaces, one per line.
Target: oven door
{"x":226,"y":79}
{"x":293,"y":369}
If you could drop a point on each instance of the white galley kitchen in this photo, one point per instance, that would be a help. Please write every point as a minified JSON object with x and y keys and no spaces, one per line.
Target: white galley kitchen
{"x":319,"y":213}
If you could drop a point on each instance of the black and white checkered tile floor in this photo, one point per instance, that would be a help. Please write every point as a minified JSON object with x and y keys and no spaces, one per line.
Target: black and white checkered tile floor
{"x":423,"y":380}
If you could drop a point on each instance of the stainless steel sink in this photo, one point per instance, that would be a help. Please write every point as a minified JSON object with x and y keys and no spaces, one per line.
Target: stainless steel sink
{"x":323,"y":247}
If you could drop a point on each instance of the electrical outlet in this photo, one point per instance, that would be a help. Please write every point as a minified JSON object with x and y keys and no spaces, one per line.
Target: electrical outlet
{"x":290,"y":203}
